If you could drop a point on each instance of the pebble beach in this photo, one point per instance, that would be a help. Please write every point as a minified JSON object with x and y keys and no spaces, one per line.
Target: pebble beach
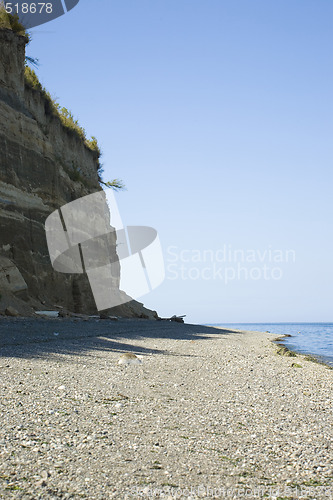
{"x":203,"y":413}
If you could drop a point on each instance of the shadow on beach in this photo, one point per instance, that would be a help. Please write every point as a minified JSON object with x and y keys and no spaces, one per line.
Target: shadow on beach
{"x":32,"y":338}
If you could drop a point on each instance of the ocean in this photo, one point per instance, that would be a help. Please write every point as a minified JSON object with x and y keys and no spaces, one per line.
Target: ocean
{"x":307,"y":338}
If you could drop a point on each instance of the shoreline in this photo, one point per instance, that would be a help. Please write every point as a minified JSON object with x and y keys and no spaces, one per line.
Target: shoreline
{"x":315,"y":358}
{"x":205,"y":408}
{"x":287,"y":351}
{"x":312,"y":356}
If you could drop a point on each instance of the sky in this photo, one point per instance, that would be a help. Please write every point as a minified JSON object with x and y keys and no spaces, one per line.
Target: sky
{"x":217,"y":116}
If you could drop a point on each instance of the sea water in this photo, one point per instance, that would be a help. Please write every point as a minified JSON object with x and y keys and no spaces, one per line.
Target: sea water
{"x":307,"y":338}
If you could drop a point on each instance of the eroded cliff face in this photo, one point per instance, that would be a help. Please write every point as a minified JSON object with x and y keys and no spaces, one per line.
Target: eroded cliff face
{"x":43,"y":166}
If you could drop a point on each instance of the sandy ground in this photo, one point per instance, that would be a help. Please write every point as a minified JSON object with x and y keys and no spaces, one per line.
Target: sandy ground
{"x":208,"y":413}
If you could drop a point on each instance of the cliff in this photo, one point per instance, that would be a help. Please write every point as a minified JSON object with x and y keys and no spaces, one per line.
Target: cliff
{"x":43,"y":165}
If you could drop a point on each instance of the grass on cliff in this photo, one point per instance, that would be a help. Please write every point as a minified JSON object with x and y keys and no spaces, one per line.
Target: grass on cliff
{"x":65,"y":116}
{"x":68,"y":121}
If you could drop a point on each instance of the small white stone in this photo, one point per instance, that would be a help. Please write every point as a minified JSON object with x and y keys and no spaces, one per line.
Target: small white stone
{"x":44,"y":475}
{"x":128,"y":359}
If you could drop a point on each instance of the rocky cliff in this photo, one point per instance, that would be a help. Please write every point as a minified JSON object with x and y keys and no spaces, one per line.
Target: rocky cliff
{"x":43,"y":165}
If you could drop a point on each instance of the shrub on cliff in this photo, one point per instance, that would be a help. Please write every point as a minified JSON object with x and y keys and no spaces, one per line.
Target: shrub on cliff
{"x":12,"y":22}
{"x":116,"y":184}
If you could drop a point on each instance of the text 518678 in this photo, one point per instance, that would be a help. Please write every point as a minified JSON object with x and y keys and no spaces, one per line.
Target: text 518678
{"x":29,"y":8}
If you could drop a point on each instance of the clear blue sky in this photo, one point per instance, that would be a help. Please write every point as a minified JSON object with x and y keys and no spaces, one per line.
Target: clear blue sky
{"x":217,"y":115}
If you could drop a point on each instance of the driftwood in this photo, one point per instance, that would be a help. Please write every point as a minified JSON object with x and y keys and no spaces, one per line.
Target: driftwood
{"x":177,"y":319}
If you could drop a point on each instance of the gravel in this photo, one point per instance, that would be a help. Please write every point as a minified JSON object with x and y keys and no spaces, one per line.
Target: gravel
{"x":208,"y":413}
